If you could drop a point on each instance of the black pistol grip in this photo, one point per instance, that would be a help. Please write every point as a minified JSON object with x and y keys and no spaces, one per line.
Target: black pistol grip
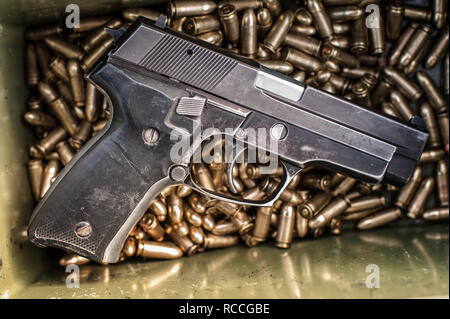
{"x":103,"y":192}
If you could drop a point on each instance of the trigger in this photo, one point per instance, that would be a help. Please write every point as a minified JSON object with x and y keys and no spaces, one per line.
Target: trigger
{"x":231,"y":162}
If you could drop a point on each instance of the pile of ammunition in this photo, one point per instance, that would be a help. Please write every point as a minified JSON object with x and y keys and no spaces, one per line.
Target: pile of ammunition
{"x":334,"y":45}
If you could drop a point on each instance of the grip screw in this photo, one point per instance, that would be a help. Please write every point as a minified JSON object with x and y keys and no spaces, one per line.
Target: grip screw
{"x":150,"y":136}
{"x":83,"y":229}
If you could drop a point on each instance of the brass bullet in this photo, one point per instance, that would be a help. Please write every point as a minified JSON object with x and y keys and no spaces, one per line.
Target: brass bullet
{"x":79,"y":112}
{"x":365,"y":203}
{"x":65,"y":152}
{"x":427,"y":114}
{"x":230,"y":22}
{"x":197,"y":235}
{"x":73,"y":259}
{"x":213,"y":37}
{"x":40,"y":118}
{"x":276,"y":65}
{"x":195,"y":219}
{"x":316,"y":181}
{"x":329,"y":87}
{"x":225,"y":227}
{"x":344,"y":186}
{"x":133,"y":13}
{"x":249,"y":34}
{"x":262,"y":223}
{"x":303,"y":17}
{"x":381,"y":92}
{"x":61,"y":46}
{"x":264,"y":20}
{"x":59,"y":107}
{"x":419,"y":200}
{"x":82,"y":135}
{"x":401,"y":105}
{"x":158,"y":250}
{"x":403,"y":83}
{"x":202,"y":24}
{"x":379,"y":219}
{"x":445,"y":79}
{"x":358,"y":215}
{"x":255,"y":193}
{"x":301,"y":224}
{"x":439,"y":49}
{"x":286,"y":223}
{"x":96,"y":53}
{"x":89,"y":24}
{"x":377,"y":37}
{"x":322,"y":21}
{"x":203,"y":176}
{"x":208,"y":222}
{"x":336,"y":178}
{"x":186,"y":245}
{"x":439,"y":11}
{"x":158,"y":208}
{"x":47,"y":144}
{"x":303,"y":43}
{"x":175,"y":209}
{"x":434,"y":96}
{"x":278,"y":32}
{"x":246,"y":179}
{"x":442,"y":120}
{"x":304,"y":29}
{"x":341,"y":42}
{"x":415,"y":43}
{"x":294,"y":197}
{"x":149,"y":223}
{"x":35,"y":172}
{"x":100,"y":35}
{"x":43,"y":59}
{"x":341,"y":28}
{"x":345,"y":13}
{"x":177,"y":9}
{"x":360,"y":37}
{"x":394,"y":20}
{"x":441,"y":172}
{"x":338,"y":55}
{"x":51,"y":170}
{"x":274,"y":7}
{"x":93,"y":102}
{"x":139,"y":234}
{"x":213,"y":241}
{"x":58,"y":66}
{"x":64,"y":91}
{"x":177,"y":24}
{"x":237,"y":215}
{"x":314,"y":205}
{"x":301,"y":60}
{"x":432,"y":155}
{"x":416,"y":13}
{"x":336,"y":207}
{"x":183,"y":191}
{"x":299,"y":76}
{"x":361,"y":94}
{"x":417,"y":60}
{"x":129,"y":248}
{"x":435,"y":214}
{"x":98,"y":126}
{"x":32,"y":67}
{"x":256,"y":171}
{"x":38,"y":33}
{"x":196,"y":203}
{"x":76,"y":82}
{"x":182,"y":228}
{"x":397,"y":49}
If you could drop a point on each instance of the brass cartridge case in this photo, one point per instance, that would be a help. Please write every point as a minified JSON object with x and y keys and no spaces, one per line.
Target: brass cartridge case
{"x":316,"y":181}
{"x":65,"y":152}
{"x":292,"y":197}
{"x":434,"y":96}
{"x":183,"y":242}
{"x":96,"y":53}
{"x":361,"y":94}
{"x":313,"y":206}
{"x":338,"y":55}
{"x":177,"y":24}
{"x":322,"y":21}
{"x":43,"y":59}
{"x":202,"y":24}
{"x":360,"y":37}
{"x":89,"y":24}
{"x":230,"y":22}
{"x":303,"y":43}
{"x":274,"y":7}
{"x":225,"y":228}
{"x":332,"y":210}
{"x":397,"y":49}
{"x":64,"y":91}
{"x":379,"y":219}
{"x":345,"y":13}
{"x":100,"y":35}
{"x":432,"y":155}
{"x":420,"y":36}
{"x":439,"y":49}
{"x":32,"y":67}
{"x":301,"y":225}
{"x":276,"y":65}
{"x":47,"y":144}
{"x":278,"y":32}
{"x":401,"y":105}
{"x":159,"y":209}
{"x":415,"y":208}
{"x":51,"y":170}
{"x":441,"y":173}
{"x":439,"y":11}
{"x":394,"y":20}
{"x":61,"y":46}
{"x":262,"y":223}
{"x":34,"y":103}
{"x":286,"y":223}
{"x":213,"y":241}
{"x":336,"y":178}
{"x":254,"y":193}
{"x":344,"y":186}
{"x":58,"y":66}
{"x":35,"y":172}
{"x":301,"y":60}
{"x":403,"y":83}
{"x":39,"y":33}
{"x":442,"y":120}
{"x":93,"y":102}
{"x":158,"y":250}
{"x":203,"y":176}
{"x":249,"y":34}
{"x":427,"y":114}
{"x":341,"y":28}
{"x":73,"y":259}
{"x":243,"y":4}
{"x":377,"y":37}
{"x":149,"y":223}
{"x":365,"y":203}
{"x":265,"y":20}
{"x":303,"y":17}
{"x":304,"y":29}
{"x":435,"y":214}
{"x":132,"y":14}
{"x":177,"y":9}
{"x":341,"y":42}
{"x":40,"y":118}
{"x":256,"y":171}
{"x":381,"y":92}
{"x":416,"y":13}
{"x":175,"y":209}
{"x":358,"y":215}
{"x":82,"y":135}
{"x":76,"y":82}
{"x":417,"y":61}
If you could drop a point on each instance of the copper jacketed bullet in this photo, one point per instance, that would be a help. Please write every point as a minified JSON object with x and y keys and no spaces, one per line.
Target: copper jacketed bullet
{"x":286,"y":223}
{"x":38,"y":33}
{"x":442,"y":120}
{"x":158,"y":250}
{"x":438,"y":50}
{"x":225,"y":228}
{"x":303,"y":17}
{"x":344,"y":186}
{"x":345,"y":13}
{"x":379,"y":219}
{"x":403,"y":83}
{"x":441,"y":172}
{"x":417,"y":13}
{"x":419,"y":200}
{"x":407,"y":192}
{"x":401,"y":105}
{"x":432,"y":155}
{"x":432,"y":92}
{"x":35,"y":171}
{"x":333,"y":209}
{"x":65,"y":152}
{"x":265,"y":21}
{"x":427,"y":114}
{"x":435,"y":214}
{"x":301,"y":60}
{"x":439,"y":11}
{"x":365,"y":203}
{"x":67,"y":49}
{"x":243,"y":4}
{"x":415,"y":43}
{"x":93,"y":102}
